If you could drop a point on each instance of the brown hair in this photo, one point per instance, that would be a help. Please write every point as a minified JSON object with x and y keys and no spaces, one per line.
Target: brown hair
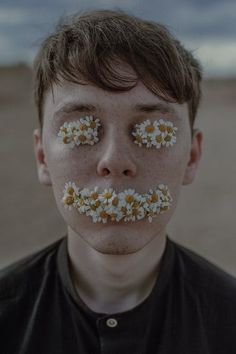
{"x":88,"y":45}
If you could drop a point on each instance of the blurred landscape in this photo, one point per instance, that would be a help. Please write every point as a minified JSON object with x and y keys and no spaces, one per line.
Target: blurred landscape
{"x":204,"y":220}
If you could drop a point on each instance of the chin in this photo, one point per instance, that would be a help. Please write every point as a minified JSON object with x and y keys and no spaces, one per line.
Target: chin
{"x":113,"y":245}
{"x":117,"y":238}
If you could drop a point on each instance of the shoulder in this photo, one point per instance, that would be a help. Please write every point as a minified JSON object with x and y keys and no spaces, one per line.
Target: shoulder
{"x":204,"y":277}
{"x":16,"y":278}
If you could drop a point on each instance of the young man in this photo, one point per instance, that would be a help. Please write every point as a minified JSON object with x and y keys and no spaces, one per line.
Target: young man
{"x":117,"y":98}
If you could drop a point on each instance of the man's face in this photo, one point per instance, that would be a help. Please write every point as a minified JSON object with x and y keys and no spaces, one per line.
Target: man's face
{"x":115,"y":161}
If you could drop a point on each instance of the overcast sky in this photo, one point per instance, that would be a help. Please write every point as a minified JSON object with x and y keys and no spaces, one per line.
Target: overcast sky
{"x":208,"y":27}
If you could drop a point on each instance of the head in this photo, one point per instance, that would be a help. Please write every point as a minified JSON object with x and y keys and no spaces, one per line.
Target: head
{"x":122,"y":70}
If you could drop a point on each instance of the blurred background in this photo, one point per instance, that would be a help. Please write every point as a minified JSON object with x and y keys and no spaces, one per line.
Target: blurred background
{"x":205,"y":217}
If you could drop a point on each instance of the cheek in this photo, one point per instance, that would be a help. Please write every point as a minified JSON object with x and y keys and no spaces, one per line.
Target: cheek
{"x":66,"y":163}
{"x":168,"y":164}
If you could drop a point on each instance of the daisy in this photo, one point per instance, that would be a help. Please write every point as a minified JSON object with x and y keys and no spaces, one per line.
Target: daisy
{"x":162,"y":127}
{"x":74,"y":126}
{"x":93,"y":194}
{"x":68,"y":201}
{"x":148,"y":141}
{"x":101,"y":215}
{"x":70,"y":188}
{"x":170,"y":128}
{"x":145,"y":133}
{"x":84,"y":136}
{"x":129,"y":218}
{"x":169,"y":137}
{"x":90,"y":122}
{"x":82,"y":200}
{"x":114,"y":213}
{"x":145,"y":128}
{"x":127,"y":198}
{"x":65,"y":135}
{"x":136,"y":214}
{"x":164,"y":207}
{"x":95,"y":214}
{"x":83,"y":208}
{"x":170,"y":140}
{"x":138,"y":138}
{"x":157,"y":140}
{"x":107,"y":196}
{"x":80,"y":138}
{"x":165,"y":192}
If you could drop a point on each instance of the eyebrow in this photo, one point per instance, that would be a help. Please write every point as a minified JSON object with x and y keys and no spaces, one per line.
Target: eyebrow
{"x":71,"y":107}
{"x":156,"y":107}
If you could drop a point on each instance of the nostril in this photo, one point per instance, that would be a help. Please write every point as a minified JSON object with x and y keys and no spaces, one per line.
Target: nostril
{"x":106,"y":172}
{"x":126,"y":172}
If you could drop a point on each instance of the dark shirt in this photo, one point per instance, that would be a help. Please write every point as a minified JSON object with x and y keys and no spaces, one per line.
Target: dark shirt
{"x":191,"y":310}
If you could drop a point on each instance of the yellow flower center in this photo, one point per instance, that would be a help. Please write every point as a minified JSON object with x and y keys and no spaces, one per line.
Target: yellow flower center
{"x":135,"y":212}
{"x":115,"y":201}
{"x":168,"y":138}
{"x":162,"y":127}
{"x":154,"y":198}
{"x":136,"y":204}
{"x":69,"y":200}
{"x":149,"y":128}
{"x":107,"y":195}
{"x":170,"y":130}
{"x":82,"y":138}
{"x":159,"y":138}
{"x":129,"y":198}
{"x":63,"y":129}
{"x":93,"y":124}
{"x":94,"y":195}
{"x":66,"y":140}
{"x":103,"y":214}
{"x":83,"y":127}
{"x":123,"y":209}
{"x":139,"y":139}
{"x":164,"y":191}
{"x":70,"y":190}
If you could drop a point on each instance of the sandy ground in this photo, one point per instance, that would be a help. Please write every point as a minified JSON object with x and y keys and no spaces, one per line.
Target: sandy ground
{"x":205,"y":218}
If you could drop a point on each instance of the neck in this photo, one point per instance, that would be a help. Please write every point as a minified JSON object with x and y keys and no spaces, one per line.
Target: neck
{"x":114,"y":283}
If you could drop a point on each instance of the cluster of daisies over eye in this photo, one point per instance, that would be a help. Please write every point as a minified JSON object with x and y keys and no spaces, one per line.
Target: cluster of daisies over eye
{"x":85,"y":131}
{"x":111,"y":206}
{"x":80,"y":132}
{"x":157,"y":134}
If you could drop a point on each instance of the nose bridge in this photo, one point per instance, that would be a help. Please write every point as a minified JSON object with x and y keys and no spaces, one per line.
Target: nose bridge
{"x":116,"y":158}
{"x":117,"y":140}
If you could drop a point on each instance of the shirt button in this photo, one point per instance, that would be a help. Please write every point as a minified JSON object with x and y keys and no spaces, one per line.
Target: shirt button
{"x":111,"y":322}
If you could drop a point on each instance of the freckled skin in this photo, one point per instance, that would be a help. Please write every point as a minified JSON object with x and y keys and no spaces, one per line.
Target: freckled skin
{"x":115,"y":161}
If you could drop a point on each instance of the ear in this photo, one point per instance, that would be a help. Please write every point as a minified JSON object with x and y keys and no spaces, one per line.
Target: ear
{"x":194,"y":158}
{"x":42,"y":168}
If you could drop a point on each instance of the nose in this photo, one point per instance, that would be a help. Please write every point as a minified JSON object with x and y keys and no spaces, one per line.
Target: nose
{"x":116,"y":159}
